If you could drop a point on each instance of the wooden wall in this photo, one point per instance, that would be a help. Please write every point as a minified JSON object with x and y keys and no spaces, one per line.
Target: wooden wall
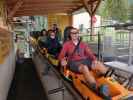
{"x":61,"y":20}
{"x":3,"y":14}
{"x":5,"y":35}
{"x":5,"y":44}
{"x":7,"y":55}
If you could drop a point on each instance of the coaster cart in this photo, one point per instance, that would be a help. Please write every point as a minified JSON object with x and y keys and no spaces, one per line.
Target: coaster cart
{"x":117,"y":91}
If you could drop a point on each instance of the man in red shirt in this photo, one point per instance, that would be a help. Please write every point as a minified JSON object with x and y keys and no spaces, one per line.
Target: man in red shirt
{"x":82,"y":59}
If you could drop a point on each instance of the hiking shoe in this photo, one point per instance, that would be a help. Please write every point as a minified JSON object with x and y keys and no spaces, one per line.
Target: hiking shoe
{"x":104,"y":92}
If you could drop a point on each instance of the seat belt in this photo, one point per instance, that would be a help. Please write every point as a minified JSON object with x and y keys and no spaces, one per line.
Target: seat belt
{"x":77,"y":46}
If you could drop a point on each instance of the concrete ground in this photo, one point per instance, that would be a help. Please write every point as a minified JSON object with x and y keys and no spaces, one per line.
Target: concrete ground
{"x":26,"y":84}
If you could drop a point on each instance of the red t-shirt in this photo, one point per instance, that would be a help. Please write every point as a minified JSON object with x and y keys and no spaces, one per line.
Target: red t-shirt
{"x":83,"y":51}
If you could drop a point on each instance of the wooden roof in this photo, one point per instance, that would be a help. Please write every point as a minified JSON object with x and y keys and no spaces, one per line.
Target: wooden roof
{"x":42,"y":7}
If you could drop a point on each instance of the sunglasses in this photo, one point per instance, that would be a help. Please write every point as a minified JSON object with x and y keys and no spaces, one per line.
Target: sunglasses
{"x":74,"y":32}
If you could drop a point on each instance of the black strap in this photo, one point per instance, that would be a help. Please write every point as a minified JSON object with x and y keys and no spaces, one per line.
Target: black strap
{"x":76,"y":47}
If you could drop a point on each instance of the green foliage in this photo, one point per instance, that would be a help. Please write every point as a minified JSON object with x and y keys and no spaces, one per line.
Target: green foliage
{"x":131,"y":12}
{"x":114,"y":9}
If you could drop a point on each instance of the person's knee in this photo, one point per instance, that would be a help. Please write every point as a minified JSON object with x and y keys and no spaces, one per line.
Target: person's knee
{"x":83,"y":68}
{"x":87,"y":74}
{"x":103,"y":69}
{"x":100,"y":68}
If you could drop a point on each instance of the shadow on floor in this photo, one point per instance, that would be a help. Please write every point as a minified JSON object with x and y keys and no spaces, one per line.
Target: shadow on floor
{"x":26,"y":84}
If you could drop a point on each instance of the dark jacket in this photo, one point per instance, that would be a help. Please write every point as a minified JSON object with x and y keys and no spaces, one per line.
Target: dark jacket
{"x":42,"y":41}
{"x":53,"y":46}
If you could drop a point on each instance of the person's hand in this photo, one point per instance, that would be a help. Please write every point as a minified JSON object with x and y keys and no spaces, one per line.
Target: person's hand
{"x":63,"y":62}
{"x":95,"y":66}
{"x":95,"y":63}
{"x":99,"y":67}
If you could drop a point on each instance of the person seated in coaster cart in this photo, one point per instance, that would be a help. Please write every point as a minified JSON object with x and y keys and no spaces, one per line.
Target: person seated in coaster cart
{"x":52,"y":44}
{"x":42,"y":38}
{"x":80,"y":59}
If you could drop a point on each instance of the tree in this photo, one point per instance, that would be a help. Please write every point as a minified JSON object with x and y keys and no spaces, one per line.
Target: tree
{"x":114,"y":9}
{"x":131,"y":12}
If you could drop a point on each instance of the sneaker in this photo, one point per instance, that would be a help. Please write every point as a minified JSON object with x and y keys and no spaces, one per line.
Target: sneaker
{"x":104,"y":92}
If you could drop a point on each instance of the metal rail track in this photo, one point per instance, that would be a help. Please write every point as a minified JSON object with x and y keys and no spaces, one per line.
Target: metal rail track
{"x":66,"y":84}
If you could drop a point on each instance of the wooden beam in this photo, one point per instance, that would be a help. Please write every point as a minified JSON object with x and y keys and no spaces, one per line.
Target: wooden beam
{"x":52,"y":1}
{"x":91,"y":7}
{"x":42,"y":10}
{"x":85,"y":3}
{"x":45,"y":2}
{"x":91,"y":1}
{"x":4,"y":32}
{"x":39,"y":13}
{"x":11,"y":2}
{"x":77,"y":8}
{"x":46,"y":9}
{"x":30,"y":6}
{"x":51,"y":4}
{"x":15,"y":8}
{"x":46,"y":6}
{"x":96,"y":5}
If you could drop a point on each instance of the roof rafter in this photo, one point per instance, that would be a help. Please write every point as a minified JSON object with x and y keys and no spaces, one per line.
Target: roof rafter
{"x":15,"y":8}
{"x":29,"y":13}
{"x":91,"y":6}
{"x":48,"y":9}
{"x":35,"y":7}
{"x":53,"y":4}
{"x":46,"y":2}
{"x":52,"y":1}
{"x":75,"y":9}
{"x":91,"y":1}
{"x":49,"y":6}
{"x":42,"y":10}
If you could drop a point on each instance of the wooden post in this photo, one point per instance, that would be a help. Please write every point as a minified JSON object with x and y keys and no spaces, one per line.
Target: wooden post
{"x":92,"y":29}
{"x":91,"y":7}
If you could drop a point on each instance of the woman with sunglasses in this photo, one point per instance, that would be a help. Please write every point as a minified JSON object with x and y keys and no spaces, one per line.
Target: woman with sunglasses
{"x":81,"y":60}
